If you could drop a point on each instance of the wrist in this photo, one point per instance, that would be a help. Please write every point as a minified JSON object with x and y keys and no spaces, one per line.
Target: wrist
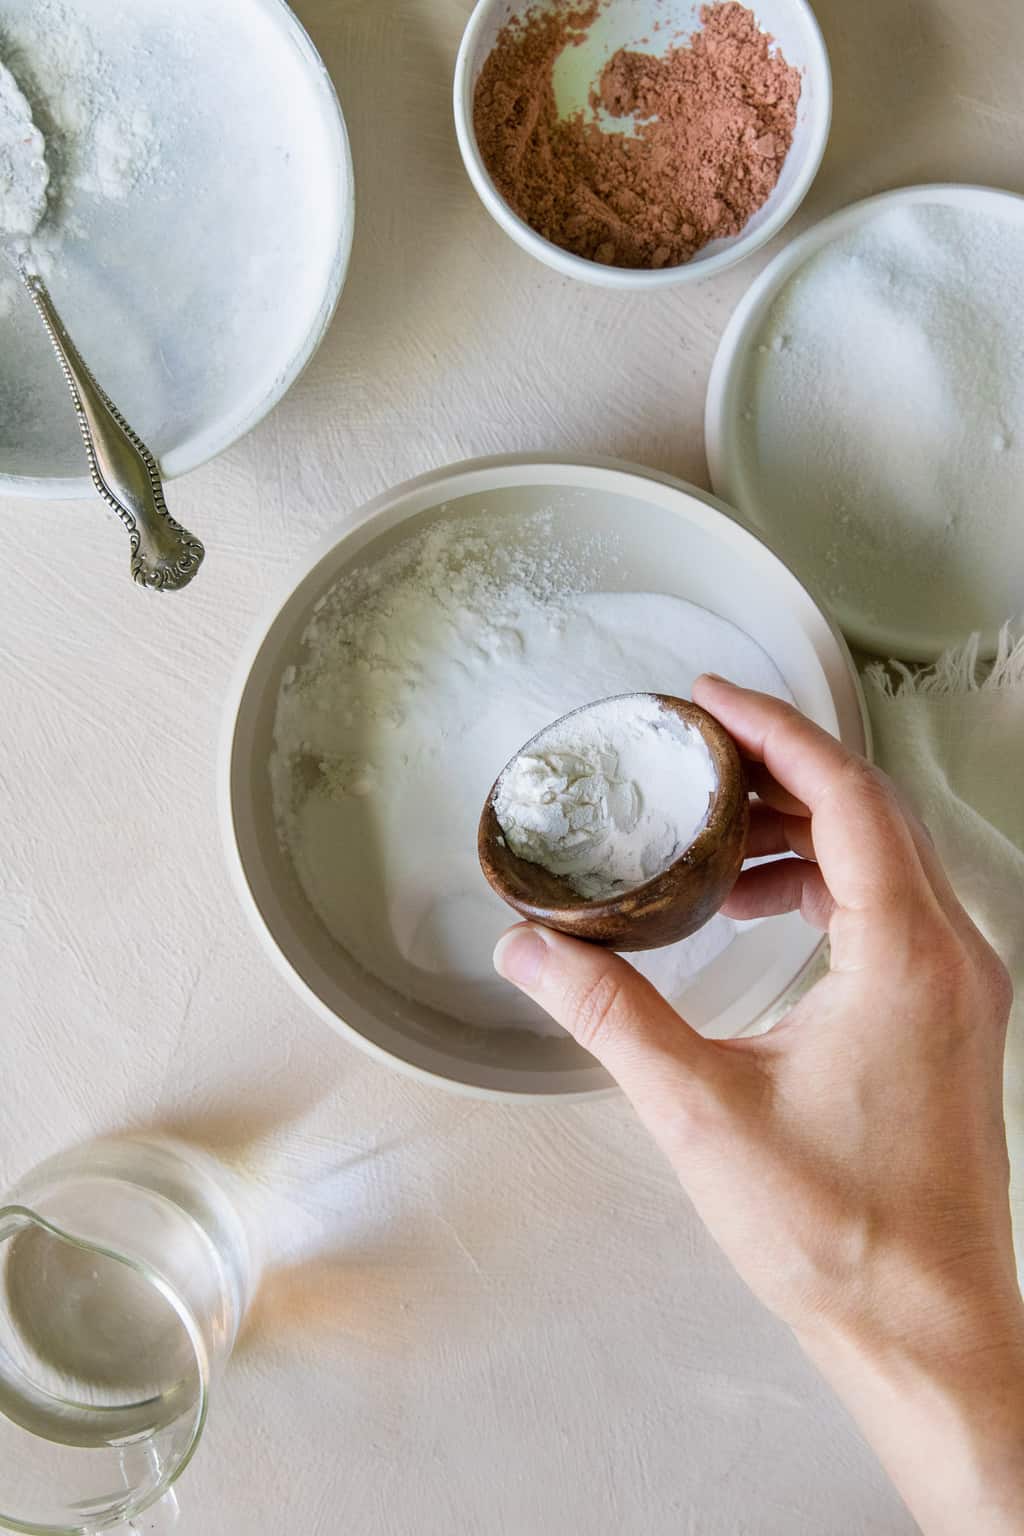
{"x":935,"y":1332}
{"x":943,"y":1406}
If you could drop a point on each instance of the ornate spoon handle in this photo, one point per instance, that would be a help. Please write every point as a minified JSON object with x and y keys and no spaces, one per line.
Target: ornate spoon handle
{"x":164,"y":555}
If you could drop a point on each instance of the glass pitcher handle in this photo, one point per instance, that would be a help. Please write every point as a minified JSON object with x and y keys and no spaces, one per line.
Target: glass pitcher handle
{"x":159,"y":1519}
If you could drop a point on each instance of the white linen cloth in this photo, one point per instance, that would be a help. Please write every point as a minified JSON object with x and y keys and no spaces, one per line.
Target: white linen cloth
{"x":952,"y":736}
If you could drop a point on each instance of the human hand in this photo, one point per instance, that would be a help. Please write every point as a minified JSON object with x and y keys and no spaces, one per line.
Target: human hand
{"x":851,"y":1162}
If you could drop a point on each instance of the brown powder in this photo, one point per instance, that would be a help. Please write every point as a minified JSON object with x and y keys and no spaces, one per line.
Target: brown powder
{"x":714,"y":121}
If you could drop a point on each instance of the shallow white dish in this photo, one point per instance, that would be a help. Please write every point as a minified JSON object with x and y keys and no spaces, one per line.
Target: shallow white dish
{"x":658,"y":535}
{"x":197,"y":297}
{"x":732,"y":460}
{"x":627,"y":23}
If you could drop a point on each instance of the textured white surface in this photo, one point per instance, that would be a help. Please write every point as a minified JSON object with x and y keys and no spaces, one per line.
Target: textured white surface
{"x":485,"y":1320}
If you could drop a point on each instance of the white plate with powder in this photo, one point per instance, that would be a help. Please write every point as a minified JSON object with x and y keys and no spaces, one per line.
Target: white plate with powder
{"x":866,"y":413}
{"x":199,"y":221}
{"x":402,"y":668}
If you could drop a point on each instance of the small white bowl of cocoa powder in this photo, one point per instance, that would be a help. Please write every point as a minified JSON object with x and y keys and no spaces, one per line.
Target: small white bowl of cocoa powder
{"x":639,"y":143}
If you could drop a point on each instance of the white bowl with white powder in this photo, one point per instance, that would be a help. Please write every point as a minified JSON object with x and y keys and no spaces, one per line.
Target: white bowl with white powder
{"x":866,"y":412}
{"x":400,"y":670}
{"x":199,"y":221}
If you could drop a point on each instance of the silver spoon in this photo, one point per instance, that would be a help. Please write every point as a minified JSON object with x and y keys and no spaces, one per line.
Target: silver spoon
{"x":165,"y":556}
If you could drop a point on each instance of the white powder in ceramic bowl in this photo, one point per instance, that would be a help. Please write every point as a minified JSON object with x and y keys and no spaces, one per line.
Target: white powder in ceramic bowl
{"x":421,"y":676}
{"x":23,"y":170}
{"x":92,"y":134}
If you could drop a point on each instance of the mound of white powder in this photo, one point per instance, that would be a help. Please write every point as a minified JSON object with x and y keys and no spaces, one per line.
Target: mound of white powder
{"x":23,"y":170}
{"x":421,"y":678}
{"x":91,"y":134}
{"x":609,"y":796}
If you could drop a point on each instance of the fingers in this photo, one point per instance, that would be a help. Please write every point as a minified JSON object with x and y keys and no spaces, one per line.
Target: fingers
{"x":772,"y":793}
{"x":663,"y":1065}
{"x":939,"y":880}
{"x":780,"y":823}
{"x":788,"y":885}
{"x":862,"y":840}
{"x":771,"y":831}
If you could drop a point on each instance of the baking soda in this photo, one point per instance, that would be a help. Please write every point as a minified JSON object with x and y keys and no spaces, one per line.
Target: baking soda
{"x":94,"y":134}
{"x":420,"y":678}
{"x":23,"y":171}
{"x":609,"y":796}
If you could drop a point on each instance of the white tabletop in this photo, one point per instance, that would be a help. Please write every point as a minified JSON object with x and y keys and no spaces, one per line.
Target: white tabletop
{"x":483,"y":1319}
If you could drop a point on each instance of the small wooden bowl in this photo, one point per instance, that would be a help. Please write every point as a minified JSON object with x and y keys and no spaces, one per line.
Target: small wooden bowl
{"x":664,"y":909}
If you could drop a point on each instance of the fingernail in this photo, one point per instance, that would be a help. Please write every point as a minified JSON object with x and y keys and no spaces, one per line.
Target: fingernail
{"x":519,"y":955}
{"x":715,"y":677}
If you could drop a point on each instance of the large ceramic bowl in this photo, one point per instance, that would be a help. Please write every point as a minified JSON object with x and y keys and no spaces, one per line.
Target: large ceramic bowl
{"x":642,"y":533}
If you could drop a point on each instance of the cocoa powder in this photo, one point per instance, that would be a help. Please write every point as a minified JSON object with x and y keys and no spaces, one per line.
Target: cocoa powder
{"x":714,"y":121}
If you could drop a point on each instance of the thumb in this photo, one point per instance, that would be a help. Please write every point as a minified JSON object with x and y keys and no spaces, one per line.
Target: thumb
{"x":663,"y":1065}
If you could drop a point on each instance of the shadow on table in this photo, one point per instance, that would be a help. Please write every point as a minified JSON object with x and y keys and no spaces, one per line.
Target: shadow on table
{"x":361,"y":1223}
{"x":378,"y":1295}
{"x":375,"y":1232}
{"x":238,"y":1130}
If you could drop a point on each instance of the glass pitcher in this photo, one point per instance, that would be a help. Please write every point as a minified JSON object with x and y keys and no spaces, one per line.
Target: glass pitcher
{"x":125,"y":1271}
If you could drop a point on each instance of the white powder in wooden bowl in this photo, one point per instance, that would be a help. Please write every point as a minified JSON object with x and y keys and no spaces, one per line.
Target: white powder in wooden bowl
{"x":609,"y":796}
